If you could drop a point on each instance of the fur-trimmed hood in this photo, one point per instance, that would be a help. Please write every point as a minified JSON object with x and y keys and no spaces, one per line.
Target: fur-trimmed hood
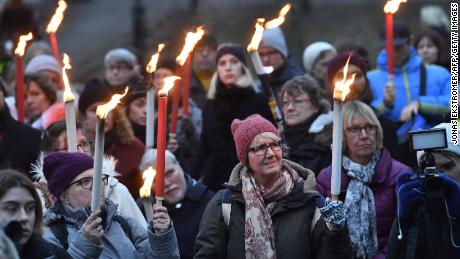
{"x":245,"y":81}
{"x":298,"y":172}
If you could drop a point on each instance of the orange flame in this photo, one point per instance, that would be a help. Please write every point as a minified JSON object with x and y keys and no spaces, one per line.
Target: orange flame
{"x":392,"y":6}
{"x":21,"y":48}
{"x":257,"y":37}
{"x":57,"y":17}
{"x":191,"y":40}
{"x":148,"y":176}
{"x":104,"y":109}
{"x":152,"y":65}
{"x":168,"y":83}
{"x":342,"y":88}
{"x":280,"y":19}
{"x":68,"y":96}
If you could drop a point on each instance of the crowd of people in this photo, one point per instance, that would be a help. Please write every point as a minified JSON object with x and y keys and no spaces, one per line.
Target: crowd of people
{"x":238,"y":184}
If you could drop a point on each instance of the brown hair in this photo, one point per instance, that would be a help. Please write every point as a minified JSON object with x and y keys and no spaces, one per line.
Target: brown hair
{"x":10,"y":178}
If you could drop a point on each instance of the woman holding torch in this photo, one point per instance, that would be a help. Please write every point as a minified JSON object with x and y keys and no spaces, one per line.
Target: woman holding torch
{"x":103,"y":233}
{"x":270,"y":201}
{"x":368,"y":183}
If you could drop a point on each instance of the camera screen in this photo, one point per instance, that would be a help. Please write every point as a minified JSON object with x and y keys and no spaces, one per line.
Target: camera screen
{"x":428,"y":139}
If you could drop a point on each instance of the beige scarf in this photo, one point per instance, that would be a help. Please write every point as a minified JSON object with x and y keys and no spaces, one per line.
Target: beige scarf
{"x":258,"y":229}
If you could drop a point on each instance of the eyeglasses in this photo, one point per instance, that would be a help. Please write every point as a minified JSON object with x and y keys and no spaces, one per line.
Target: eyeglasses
{"x":87,"y":182}
{"x":261,"y":150}
{"x":294,"y":102}
{"x":83,"y":146}
{"x":356,"y":130}
{"x":122,"y":68}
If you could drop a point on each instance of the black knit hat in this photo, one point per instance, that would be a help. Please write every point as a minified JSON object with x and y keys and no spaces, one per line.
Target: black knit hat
{"x":94,"y":91}
{"x":207,"y":40}
{"x":341,"y":59}
{"x":401,"y":33}
{"x":137,"y":89}
{"x":167,"y":63}
{"x":233,"y":49}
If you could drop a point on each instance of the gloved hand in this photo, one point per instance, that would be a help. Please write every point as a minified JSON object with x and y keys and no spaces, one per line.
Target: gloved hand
{"x":334,"y":213}
{"x":409,"y":193}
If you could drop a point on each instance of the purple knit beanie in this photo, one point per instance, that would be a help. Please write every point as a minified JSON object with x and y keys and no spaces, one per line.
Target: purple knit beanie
{"x":244,"y":132}
{"x":340,"y":60}
{"x":60,"y":168}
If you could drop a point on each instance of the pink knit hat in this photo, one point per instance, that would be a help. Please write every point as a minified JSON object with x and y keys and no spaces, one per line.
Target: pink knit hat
{"x":244,"y":131}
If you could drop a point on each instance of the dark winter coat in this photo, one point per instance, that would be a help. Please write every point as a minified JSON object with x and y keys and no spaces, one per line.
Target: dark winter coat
{"x":186,"y":214}
{"x":217,"y":155}
{"x":292,"y":224}
{"x":197,"y":91}
{"x":39,"y":248}
{"x":283,"y":74}
{"x":384,"y":189}
{"x":310,"y":146}
{"x":19,"y":143}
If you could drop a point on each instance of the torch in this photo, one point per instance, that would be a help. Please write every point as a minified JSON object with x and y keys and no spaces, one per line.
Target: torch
{"x":69,"y":108}
{"x":341,"y":89}
{"x":145,"y":190}
{"x":54,"y":25}
{"x":150,"y":126}
{"x":20,"y":91}
{"x":161,"y":137}
{"x":183,"y":60}
{"x":101,"y":114}
{"x":262,"y":71}
{"x":390,"y":9}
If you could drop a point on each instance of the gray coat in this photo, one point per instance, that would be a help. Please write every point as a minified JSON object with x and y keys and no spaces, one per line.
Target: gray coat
{"x":115,"y":243}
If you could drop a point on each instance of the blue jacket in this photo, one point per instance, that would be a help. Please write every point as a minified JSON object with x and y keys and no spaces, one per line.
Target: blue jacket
{"x":115,"y":242}
{"x":407,"y":87}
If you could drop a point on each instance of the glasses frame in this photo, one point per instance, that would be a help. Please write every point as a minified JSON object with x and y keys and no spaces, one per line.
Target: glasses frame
{"x":274,"y":146}
{"x":369,"y":129}
{"x":105,"y":181}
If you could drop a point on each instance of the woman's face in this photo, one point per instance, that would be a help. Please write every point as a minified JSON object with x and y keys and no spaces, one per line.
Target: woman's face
{"x":18,"y":204}
{"x":118,"y":73}
{"x":83,"y":145}
{"x":359,"y":83}
{"x":78,"y":194}
{"x":138,"y":111}
{"x":229,"y":69}
{"x":360,"y":140}
{"x":37,"y":101}
{"x":90,"y":118}
{"x":265,"y":162}
{"x":297,"y":109}
{"x":319,"y":69}
{"x":427,"y":50}
{"x":160,"y":74}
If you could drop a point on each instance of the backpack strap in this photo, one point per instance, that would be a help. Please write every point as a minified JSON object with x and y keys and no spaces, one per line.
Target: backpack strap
{"x":422,"y":80}
{"x":59,"y":230}
{"x":124,"y":225}
{"x":226,"y":206}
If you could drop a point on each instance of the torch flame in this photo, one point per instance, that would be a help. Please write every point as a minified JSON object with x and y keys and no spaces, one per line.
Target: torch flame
{"x":168,"y":83}
{"x":191,"y":40}
{"x":342,"y":88}
{"x":148,"y":177}
{"x":104,"y":109}
{"x":257,"y":37}
{"x":392,"y":6}
{"x":57,"y":17}
{"x":68,"y":96}
{"x":280,"y":19}
{"x":21,"y":48}
{"x":152,"y":65}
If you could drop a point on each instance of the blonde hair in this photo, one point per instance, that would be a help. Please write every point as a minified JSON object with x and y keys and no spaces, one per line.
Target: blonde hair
{"x":353,"y":109}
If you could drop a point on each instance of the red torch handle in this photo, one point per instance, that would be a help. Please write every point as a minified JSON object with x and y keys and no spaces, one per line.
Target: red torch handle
{"x":389,"y":42}
{"x":161,"y":146}
{"x":54,"y":45}
{"x":20,"y":89}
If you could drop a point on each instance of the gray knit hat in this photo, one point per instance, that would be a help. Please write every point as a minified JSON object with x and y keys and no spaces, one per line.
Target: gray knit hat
{"x":41,"y":63}
{"x":312,"y":52}
{"x":121,"y":55}
{"x":274,"y":38}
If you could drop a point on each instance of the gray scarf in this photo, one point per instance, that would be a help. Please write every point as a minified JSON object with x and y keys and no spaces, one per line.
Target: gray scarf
{"x":360,"y":207}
